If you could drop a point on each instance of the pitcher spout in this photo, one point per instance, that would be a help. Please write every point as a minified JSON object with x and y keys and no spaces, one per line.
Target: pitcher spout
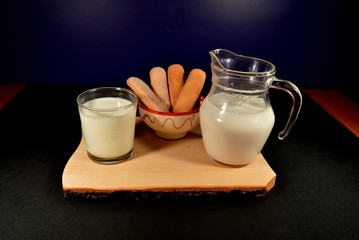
{"x":231,"y":63}
{"x":220,"y":55}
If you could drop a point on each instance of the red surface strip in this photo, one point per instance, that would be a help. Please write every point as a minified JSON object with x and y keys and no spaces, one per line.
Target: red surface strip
{"x":340,"y":107}
{"x":8,"y":92}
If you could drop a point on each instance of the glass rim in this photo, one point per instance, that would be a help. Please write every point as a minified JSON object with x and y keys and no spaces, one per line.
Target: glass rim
{"x":98,"y":89}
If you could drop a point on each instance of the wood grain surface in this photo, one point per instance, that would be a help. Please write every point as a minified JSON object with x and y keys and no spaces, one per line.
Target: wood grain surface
{"x":159,"y":165}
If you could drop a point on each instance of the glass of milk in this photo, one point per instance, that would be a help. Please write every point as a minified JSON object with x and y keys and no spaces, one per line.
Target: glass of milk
{"x":108,"y":119}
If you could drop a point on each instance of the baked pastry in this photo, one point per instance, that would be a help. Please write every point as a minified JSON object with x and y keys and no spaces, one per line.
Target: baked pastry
{"x":158,"y":79}
{"x":146,"y":95}
{"x":190,"y":92}
{"x":175,"y":75}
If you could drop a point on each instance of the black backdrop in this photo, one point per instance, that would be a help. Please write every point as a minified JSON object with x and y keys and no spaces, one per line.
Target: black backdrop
{"x":312,"y":43}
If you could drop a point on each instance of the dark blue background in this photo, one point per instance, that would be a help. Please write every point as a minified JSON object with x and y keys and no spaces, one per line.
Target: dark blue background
{"x":106,"y":41}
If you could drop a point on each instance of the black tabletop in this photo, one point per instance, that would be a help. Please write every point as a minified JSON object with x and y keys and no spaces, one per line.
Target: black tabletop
{"x":316,"y":195}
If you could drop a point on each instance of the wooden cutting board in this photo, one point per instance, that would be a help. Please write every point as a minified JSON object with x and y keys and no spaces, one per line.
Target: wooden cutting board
{"x":160,"y":167}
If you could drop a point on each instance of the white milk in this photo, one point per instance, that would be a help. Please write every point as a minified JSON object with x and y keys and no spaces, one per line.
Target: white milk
{"x":108,"y":134}
{"x":235,"y":128}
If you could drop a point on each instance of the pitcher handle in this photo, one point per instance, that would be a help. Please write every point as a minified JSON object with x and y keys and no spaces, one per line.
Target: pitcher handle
{"x":294,"y":92}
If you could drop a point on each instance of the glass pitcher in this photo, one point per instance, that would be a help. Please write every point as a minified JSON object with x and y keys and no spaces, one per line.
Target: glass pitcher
{"x":236,"y":116}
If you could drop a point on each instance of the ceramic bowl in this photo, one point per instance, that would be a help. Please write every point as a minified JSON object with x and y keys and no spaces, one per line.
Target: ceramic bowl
{"x":170,"y":125}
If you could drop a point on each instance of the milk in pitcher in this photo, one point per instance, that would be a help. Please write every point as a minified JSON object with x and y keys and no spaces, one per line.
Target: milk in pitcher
{"x":235,"y":127}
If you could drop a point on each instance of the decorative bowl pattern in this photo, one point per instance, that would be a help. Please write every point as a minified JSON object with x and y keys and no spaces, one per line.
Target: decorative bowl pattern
{"x":170,"y":125}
